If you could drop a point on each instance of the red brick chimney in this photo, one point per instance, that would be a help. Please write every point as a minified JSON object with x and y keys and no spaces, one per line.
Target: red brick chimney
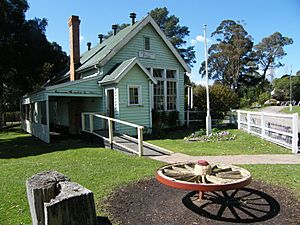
{"x":74,"y":46}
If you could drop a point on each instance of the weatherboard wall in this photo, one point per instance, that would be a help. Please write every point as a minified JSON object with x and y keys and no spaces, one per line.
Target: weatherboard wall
{"x":163,"y":58}
{"x":139,"y":114}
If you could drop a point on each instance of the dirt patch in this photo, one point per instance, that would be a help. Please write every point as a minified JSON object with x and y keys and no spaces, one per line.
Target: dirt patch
{"x":149,"y":202}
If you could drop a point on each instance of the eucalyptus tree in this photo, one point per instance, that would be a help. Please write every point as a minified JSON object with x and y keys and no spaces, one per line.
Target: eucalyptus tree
{"x":231,"y":56}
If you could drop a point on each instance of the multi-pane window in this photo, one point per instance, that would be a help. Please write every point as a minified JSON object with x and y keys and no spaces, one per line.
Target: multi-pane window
{"x":134,"y":95}
{"x":171,"y":89}
{"x":158,"y":95}
{"x":171,"y":95}
{"x":147,"y":43}
{"x":165,"y":91}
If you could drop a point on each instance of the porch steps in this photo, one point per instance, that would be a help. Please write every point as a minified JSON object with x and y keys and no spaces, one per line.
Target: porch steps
{"x":129,"y":144}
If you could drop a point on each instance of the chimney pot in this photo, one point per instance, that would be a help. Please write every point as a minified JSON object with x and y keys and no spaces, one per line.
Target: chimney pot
{"x":114,"y":27}
{"x":100,"y":36}
{"x":74,"y":23}
{"x":132,"y":16}
{"x":89,"y":44}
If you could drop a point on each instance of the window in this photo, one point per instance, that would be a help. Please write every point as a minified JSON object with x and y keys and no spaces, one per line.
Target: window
{"x":147,"y":43}
{"x":159,"y":95}
{"x":171,"y":89}
{"x":171,"y":95}
{"x":165,"y":91}
{"x":134,"y":95}
{"x":158,"y":73}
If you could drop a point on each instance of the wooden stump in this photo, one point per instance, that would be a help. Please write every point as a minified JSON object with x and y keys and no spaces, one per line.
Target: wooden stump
{"x":74,"y":205}
{"x":41,"y":188}
{"x":54,"y":200}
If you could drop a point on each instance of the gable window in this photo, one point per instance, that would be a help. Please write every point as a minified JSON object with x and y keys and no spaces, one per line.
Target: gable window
{"x":147,"y":43}
{"x":134,"y":95}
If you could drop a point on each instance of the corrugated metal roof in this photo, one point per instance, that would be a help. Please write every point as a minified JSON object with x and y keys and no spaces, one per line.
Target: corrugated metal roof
{"x":118,"y":71}
{"x":99,"y":52}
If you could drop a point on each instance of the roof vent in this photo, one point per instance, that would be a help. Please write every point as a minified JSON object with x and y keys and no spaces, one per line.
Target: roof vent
{"x":89,"y":44}
{"x":114,"y":27}
{"x":100,"y":36}
{"x":132,"y":16}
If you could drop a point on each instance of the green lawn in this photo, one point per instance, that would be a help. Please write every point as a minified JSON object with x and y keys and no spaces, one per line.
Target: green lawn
{"x":243,"y":144}
{"x":295,"y":109}
{"x":100,"y":170}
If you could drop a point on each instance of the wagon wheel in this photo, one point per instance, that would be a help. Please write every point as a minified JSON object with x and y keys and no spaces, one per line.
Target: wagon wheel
{"x":202,"y":177}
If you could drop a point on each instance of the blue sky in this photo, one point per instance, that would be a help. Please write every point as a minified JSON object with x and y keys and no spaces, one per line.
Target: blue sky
{"x":261,"y":19}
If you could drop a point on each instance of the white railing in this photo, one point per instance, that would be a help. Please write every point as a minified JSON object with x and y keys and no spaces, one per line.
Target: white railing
{"x":110,"y":138}
{"x":278,"y":128}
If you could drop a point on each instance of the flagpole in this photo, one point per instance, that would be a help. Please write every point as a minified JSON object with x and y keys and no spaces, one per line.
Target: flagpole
{"x":208,"y":118}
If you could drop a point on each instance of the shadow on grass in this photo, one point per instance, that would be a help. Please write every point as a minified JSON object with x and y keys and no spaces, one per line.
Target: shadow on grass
{"x":24,"y":145}
{"x":246,"y":205}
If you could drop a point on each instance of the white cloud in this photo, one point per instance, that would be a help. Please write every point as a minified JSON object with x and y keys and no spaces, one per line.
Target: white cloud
{"x":81,"y":38}
{"x":199,"y":39}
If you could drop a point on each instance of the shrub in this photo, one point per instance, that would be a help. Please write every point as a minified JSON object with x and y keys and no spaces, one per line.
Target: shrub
{"x":222,"y":98}
{"x":263,"y":97}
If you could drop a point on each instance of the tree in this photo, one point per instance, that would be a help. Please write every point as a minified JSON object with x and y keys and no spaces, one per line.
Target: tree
{"x":231,"y":56}
{"x":27,"y":59}
{"x":269,"y":51}
{"x":176,"y":33}
{"x":282,"y":88}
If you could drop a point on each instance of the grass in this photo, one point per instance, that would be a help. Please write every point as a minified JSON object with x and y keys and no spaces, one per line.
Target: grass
{"x":295,"y":109}
{"x":287,"y":176}
{"x":100,"y":170}
{"x":243,"y":144}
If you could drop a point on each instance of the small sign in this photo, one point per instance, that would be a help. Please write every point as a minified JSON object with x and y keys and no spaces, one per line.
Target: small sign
{"x":146,"y":55}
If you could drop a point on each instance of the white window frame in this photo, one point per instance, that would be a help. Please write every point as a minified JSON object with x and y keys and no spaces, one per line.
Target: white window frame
{"x":165,"y":80}
{"x":139,"y":87}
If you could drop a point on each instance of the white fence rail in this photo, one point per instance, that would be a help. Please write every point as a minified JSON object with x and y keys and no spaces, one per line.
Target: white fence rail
{"x":90,"y":128}
{"x":281,"y":129}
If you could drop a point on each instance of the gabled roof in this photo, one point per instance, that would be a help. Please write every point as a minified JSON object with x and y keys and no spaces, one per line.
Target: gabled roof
{"x":116,"y":75}
{"x":102,"y":53}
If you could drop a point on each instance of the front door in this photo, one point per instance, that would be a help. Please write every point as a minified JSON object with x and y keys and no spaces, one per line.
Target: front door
{"x":110,"y":103}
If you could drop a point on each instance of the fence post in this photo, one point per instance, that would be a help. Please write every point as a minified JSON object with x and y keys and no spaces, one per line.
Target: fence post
{"x":248,"y":122}
{"x":82,"y":122}
{"x":239,"y":119}
{"x":140,"y":140}
{"x":110,"y":132}
{"x":295,"y":133}
{"x":262,"y":123}
{"x":91,"y":123}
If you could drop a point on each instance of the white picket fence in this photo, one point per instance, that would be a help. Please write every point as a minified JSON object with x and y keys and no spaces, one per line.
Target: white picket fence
{"x":281,"y":129}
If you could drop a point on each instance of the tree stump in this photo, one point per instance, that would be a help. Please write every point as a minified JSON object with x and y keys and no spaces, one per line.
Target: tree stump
{"x":74,"y":205}
{"x":54,"y":200}
{"x":42,"y":187}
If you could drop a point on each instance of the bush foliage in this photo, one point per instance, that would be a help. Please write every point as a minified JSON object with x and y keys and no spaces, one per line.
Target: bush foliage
{"x":222,"y":98}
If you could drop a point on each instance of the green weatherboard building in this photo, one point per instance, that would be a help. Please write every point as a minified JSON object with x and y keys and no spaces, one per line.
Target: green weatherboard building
{"x":125,"y":76}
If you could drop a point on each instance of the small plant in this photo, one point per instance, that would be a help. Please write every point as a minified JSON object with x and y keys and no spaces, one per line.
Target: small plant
{"x":216,"y":135}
